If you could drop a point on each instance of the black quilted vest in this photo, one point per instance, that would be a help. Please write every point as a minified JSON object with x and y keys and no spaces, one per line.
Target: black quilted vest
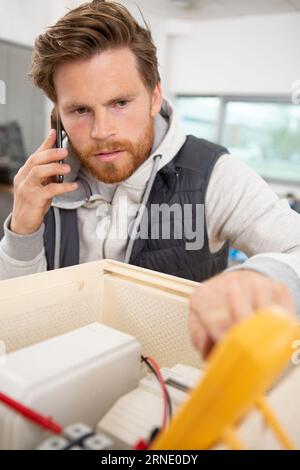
{"x":182,"y":184}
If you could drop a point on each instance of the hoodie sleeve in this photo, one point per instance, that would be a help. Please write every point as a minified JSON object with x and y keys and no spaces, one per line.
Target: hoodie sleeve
{"x":242,"y":208}
{"x":21,"y":254}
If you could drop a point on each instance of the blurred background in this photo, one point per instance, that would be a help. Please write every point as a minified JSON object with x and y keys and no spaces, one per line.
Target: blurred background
{"x":231,"y":67}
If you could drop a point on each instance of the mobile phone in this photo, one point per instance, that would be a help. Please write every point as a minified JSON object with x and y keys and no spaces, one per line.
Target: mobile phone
{"x":59,"y":144}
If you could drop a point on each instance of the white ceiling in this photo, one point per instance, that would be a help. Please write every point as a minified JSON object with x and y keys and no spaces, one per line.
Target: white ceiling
{"x":210,"y":9}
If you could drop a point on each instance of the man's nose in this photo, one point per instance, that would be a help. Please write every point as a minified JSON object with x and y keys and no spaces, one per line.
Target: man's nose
{"x":103,"y":125}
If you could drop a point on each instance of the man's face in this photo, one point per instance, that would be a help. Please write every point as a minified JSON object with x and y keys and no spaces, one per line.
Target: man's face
{"x":107,"y":112}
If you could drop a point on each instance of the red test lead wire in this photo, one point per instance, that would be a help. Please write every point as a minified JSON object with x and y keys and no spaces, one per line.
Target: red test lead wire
{"x":42,"y":421}
{"x":141,"y":445}
{"x":156,"y":367}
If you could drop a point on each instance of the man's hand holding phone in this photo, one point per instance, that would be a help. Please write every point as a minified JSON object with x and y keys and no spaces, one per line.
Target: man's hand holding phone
{"x":35,"y":186}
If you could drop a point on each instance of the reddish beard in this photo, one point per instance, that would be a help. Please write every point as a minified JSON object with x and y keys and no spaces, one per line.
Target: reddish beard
{"x":125,"y":165}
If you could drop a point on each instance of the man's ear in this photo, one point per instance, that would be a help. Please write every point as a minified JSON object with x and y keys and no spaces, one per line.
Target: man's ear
{"x":156,"y":99}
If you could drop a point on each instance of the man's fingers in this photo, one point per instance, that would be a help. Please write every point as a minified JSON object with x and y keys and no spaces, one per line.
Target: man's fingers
{"x":197,"y":331}
{"x":201,"y":340}
{"x":55,"y":189}
{"x":41,"y":158}
{"x":240,"y":305}
{"x":41,"y":172}
{"x":285,"y":299}
{"x":47,"y":156}
{"x":211,"y":306}
{"x":218,"y":321}
{"x":219,"y":303}
{"x":49,"y":141}
{"x":270,"y":293}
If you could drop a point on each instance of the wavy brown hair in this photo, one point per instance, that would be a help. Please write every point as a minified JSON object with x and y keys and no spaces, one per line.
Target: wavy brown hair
{"x":88,"y":30}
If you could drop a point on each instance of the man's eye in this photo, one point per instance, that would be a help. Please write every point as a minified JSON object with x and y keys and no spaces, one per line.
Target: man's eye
{"x":122,"y":103}
{"x":80,"y":110}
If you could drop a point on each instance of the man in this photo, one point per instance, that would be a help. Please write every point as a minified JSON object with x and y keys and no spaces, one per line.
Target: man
{"x":124,"y":148}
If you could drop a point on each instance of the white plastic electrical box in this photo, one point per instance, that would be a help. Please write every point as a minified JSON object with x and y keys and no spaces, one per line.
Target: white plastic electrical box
{"x":74,"y":377}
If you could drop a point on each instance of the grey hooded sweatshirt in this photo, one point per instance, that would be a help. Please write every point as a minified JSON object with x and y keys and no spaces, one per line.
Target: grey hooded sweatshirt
{"x":239,"y":207}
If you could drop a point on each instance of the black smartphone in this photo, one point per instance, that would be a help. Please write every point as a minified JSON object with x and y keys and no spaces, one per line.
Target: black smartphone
{"x":59,"y":144}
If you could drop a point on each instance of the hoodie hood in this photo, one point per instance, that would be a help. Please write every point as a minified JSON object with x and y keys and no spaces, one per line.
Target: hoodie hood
{"x":168,"y":139}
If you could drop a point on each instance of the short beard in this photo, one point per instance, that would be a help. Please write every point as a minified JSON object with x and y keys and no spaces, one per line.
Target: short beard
{"x":115,"y":172}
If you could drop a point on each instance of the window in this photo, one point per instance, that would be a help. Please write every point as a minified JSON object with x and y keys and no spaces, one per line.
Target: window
{"x":263,"y":133}
{"x":266,"y":136}
{"x":199,"y":115}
